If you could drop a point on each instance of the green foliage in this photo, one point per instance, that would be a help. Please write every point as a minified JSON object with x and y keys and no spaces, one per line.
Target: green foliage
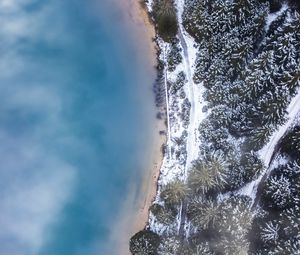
{"x":250,"y":71}
{"x":165,"y":17}
{"x":170,"y":245}
{"x":207,"y":173}
{"x":164,"y":214}
{"x":233,"y":225}
{"x":203,"y":213}
{"x":174,"y":56}
{"x":144,"y":242}
{"x":291,"y":143}
{"x":174,"y":192}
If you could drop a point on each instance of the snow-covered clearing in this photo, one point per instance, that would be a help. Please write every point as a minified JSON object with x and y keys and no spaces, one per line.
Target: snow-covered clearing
{"x":194,"y":91}
{"x":195,"y":98}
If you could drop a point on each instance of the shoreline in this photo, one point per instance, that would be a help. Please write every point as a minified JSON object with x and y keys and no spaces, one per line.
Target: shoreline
{"x":150,"y":180}
{"x":146,"y":194}
{"x":139,"y":16}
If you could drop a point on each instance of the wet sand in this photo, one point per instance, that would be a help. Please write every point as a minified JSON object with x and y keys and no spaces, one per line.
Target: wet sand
{"x":135,"y":212}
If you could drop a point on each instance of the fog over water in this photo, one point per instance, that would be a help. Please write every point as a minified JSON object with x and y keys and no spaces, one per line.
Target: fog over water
{"x":75,"y":119}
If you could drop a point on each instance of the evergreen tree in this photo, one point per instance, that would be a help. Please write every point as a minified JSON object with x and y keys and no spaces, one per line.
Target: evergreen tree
{"x":203,"y":213}
{"x":288,"y":247}
{"x":270,"y":232}
{"x":289,"y":220}
{"x":164,"y":214}
{"x":164,"y":13}
{"x":174,"y":192}
{"x":291,"y":143}
{"x":144,"y":242}
{"x":277,"y":192}
{"x":258,"y":137}
{"x":234,"y":224}
{"x":207,"y":173}
{"x":201,"y":249}
{"x":170,"y":245}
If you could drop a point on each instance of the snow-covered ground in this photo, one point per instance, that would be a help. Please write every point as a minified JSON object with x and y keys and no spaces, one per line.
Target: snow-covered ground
{"x":174,"y":167}
{"x":292,"y":111}
{"x":149,"y":4}
{"x":273,"y":16}
{"x":267,"y":151}
{"x":194,"y":91}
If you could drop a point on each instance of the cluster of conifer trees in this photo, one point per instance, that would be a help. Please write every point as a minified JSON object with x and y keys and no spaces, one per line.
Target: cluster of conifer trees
{"x":251,"y":70}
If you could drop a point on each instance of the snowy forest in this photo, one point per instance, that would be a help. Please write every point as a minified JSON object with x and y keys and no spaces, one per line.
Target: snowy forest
{"x":231,"y":187}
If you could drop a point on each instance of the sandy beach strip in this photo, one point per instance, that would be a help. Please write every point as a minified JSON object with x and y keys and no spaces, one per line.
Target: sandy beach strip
{"x":135,"y":212}
{"x":137,"y":220}
{"x":139,"y":16}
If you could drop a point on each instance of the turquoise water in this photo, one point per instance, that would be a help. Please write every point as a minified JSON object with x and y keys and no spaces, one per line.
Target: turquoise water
{"x":74,"y":124}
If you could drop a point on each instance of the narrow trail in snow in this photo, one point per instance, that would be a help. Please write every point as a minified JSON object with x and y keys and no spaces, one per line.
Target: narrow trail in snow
{"x":292,"y":110}
{"x":167,"y":101}
{"x":268,"y":153}
{"x":191,"y":134}
{"x":192,"y":124}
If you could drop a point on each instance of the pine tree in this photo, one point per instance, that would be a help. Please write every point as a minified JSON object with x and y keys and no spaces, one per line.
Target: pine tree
{"x":234,"y":246}
{"x":291,"y":78}
{"x":170,"y":245}
{"x":195,"y":18}
{"x":202,"y":249}
{"x":288,"y":247}
{"x":163,"y":214}
{"x":164,"y":13}
{"x":144,"y":242}
{"x":291,"y":142}
{"x":174,"y":56}
{"x":252,"y":164}
{"x":272,"y":107}
{"x":174,"y":192}
{"x":236,"y":217}
{"x":207,"y":173}
{"x":277,"y":192}
{"x":258,"y":76}
{"x":270,"y":232}
{"x":289,"y":220}
{"x":234,"y":224}
{"x":258,"y":137}
{"x":203,"y":213}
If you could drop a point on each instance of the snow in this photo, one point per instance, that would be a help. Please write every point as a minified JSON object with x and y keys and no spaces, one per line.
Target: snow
{"x":165,"y":48}
{"x":172,"y":168}
{"x":273,"y":16}
{"x":250,"y":189}
{"x":292,"y":111}
{"x":194,"y":91}
{"x":267,"y":151}
{"x":149,"y":4}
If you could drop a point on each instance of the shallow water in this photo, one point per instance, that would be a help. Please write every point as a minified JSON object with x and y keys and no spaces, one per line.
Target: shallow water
{"x":75,"y":118}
